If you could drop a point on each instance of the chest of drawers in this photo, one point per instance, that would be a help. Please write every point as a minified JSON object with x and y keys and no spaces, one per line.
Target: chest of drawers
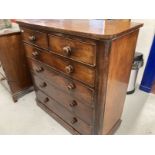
{"x":81,"y":69}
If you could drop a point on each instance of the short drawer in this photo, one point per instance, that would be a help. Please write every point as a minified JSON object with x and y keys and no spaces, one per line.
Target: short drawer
{"x":35,"y":37}
{"x":75,"y":49}
{"x":70,"y":86}
{"x":62,"y":112}
{"x":71,"y":103}
{"x":74,"y":70}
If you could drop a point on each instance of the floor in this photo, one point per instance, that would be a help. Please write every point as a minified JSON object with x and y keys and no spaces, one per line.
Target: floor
{"x":25,"y":117}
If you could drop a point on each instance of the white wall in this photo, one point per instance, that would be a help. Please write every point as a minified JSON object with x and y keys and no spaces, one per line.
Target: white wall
{"x":144,"y":41}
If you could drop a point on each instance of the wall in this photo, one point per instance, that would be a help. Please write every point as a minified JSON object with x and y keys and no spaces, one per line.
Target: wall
{"x":144,"y":41}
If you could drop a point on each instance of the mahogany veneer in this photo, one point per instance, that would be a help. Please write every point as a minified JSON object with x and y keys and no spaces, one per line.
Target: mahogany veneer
{"x":81,"y":70}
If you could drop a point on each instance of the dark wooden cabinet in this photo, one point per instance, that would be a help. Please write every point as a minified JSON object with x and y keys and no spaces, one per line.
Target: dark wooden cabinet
{"x":81,"y":69}
{"x":14,"y":64}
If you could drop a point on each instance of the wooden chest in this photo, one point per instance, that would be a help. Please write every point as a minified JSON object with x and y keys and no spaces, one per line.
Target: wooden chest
{"x":81,"y":70}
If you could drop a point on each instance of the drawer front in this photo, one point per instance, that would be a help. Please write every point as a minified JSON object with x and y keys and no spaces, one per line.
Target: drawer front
{"x":75,"y":49}
{"x":72,"y":104}
{"x":67,"y":116}
{"x":71,"y":87}
{"x":35,"y":37}
{"x":72,"y":69}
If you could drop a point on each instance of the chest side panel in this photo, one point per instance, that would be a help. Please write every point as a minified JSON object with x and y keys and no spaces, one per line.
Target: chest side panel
{"x":120,"y":63}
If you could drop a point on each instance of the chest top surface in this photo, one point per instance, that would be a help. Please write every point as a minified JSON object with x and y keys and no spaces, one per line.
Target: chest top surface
{"x":97,"y":29}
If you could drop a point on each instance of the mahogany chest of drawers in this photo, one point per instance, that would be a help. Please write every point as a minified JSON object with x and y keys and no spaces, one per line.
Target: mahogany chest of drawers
{"x":81,"y":69}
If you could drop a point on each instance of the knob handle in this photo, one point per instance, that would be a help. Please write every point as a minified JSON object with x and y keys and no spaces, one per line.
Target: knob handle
{"x":46,"y":100}
{"x":69,"y":69}
{"x":67,"y":50}
{"x":74,"y":120}
{"x":73,"y":104}
{"x":32,"y":38}
{"x":71,"y":86}
{"x":43,"y":85}
{"x":35,"y":54}
{"x":39,"y":69}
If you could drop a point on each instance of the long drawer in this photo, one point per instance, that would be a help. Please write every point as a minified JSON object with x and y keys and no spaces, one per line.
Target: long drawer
{"x":70,"y":86}
{"x":79,"y":50}
{"x":74,"y":70}
{"x":67,"y":116}
{"x":71,"y":103}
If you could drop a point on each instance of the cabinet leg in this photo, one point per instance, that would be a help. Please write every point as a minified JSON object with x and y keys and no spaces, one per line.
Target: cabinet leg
{"x":14,"y":99}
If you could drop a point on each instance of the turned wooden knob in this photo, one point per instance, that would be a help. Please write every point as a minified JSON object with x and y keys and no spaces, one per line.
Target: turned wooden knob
{"x":35,"y":54}
{"x":71,"y":86}
{"x":73,"y":104}
{"x":46,"y":100}
{"x":43,"y":85}
{"x":67,"y":50}
{"x":39,"y":69}
{"x":32,"y":38}
{"x":74,"y":120}
{"x":69,"y":69}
